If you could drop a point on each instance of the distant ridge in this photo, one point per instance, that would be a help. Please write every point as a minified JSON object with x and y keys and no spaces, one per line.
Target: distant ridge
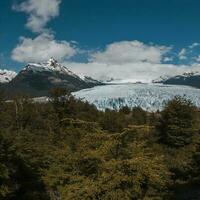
{"x":189,"y":79}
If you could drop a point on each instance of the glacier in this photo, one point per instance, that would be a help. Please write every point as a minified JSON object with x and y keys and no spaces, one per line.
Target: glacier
{"x":150,"y":97}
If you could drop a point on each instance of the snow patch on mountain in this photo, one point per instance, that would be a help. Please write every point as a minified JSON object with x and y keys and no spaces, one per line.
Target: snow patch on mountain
{"x":53,"y":66}
{"x":88,"y":79}
{"x":187,"y":75}
{"x":6,"y":75}
{"x":161,"y":79}
{"x":50,"y":66}
{"x":183,"y":76}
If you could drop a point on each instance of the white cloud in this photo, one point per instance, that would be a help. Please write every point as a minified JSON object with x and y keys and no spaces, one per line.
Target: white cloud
{"x":195,"y":44}
{"x":126,"y":60}
{"x":197,"y":58}
{"x":129,"y":61}
{"x":40,"y":13}
{"x":182,"y":54}
{"x":130,"y":52}
{"x":42,"y":48}
{"x":168,"y":59}
{"x":132,"y":72}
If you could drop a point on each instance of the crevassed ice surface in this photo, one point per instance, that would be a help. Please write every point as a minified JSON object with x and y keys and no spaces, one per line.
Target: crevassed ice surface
{"x":150,"y":97}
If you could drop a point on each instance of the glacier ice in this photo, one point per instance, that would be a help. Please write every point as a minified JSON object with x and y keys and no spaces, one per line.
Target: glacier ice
{"x":150,"y":97}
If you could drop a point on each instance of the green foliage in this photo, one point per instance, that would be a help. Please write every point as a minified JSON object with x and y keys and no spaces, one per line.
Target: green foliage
{"x":106,"y":167}
{"x":139,"y":116}
{"x":177,"y":122}
{"x":5,"y":188}
{"x":67,"y":149}
{"x":112,"y":122}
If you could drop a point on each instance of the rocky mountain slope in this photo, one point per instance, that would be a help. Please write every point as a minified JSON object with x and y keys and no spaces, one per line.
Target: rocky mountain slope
{"x":36,"y":79}
{"x":190,"y":79}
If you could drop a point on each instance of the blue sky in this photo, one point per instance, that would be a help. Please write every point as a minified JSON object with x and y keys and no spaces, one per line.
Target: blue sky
{"x":87,"y":32}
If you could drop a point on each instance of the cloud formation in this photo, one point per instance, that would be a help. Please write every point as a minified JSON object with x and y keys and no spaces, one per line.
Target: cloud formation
{"x":130,"y":52}
{"x":182,"y":54}
{"x":197,"y":58}
{"x":168,"y":59}
{"x":42,"y":48}
{"x":129,"y":72}
{"x":195,"y":44}
{"x":130,"y":61}
{"x":40,"y":13}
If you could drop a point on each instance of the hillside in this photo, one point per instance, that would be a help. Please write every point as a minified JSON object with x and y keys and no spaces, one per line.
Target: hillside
{"x":189,"y":79}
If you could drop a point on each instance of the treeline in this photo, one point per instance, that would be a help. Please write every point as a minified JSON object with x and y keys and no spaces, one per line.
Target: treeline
{"x":66,"y":149}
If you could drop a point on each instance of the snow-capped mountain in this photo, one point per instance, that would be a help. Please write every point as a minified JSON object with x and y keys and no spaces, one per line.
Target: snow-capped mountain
{"x":6,"y":76}
{"x":36,"y":79}
{"x":189,"y":78}
{"x":161,"y":79}
{"x":89,"y":79}
{"x":51,"y":65}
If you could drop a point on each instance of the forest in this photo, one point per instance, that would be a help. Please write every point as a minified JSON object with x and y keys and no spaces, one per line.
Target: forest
{"x":66,"y":149}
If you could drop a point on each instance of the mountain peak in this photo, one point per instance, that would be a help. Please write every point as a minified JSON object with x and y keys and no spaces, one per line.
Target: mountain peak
{"x":52,"y":62}
{"x":50,"y":65}
{"x":36,"y":79}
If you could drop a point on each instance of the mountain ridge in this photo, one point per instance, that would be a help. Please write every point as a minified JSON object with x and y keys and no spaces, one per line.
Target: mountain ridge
{"x":187,"y":78}
{"x":36,"y":79}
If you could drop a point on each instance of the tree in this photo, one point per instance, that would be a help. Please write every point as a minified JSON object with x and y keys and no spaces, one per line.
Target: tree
{"x":108,"y":166}
{"x":176,"y":125}
{"x":139,"y":116}
{"x":112,"y":121}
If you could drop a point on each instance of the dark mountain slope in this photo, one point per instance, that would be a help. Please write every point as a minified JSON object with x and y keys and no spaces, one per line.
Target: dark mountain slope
{"x":189,"y":79}
{"x":38,"y":79}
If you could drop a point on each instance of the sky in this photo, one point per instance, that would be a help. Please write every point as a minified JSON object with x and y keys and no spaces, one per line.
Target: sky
{"x":134,"y":40}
